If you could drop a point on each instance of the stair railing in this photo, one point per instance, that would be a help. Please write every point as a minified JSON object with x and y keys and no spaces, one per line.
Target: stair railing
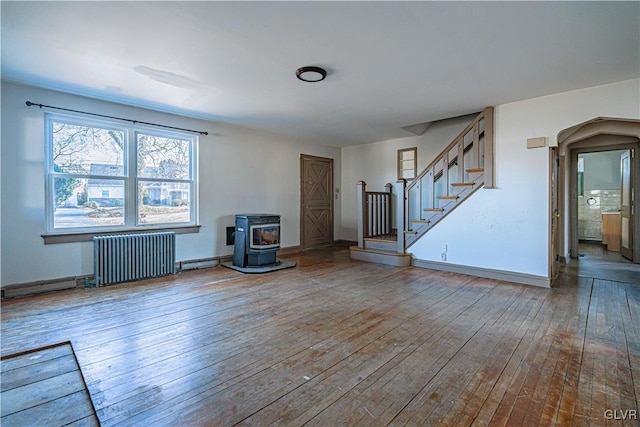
{"x":401,"y":213}
{"x":374,"y":212}
{"x":462,"y":167}
{"x":465,"y":165}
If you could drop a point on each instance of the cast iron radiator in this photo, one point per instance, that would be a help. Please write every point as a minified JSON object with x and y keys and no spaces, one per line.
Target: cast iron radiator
{"x":126,"y":257}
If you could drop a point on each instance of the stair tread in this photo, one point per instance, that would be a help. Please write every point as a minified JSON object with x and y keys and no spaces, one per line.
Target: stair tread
{"x":448,"y":197}
{"x":433,"y":209}
{"x":378,"y":251}
{"x":381,"y":239}
{"x":475,"y":170}
{"x":410,"y":232}
{"x":463,"y":184}
{"x":421,"y":221}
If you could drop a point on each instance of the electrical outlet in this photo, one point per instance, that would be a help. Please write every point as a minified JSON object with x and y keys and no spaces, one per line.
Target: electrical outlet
{"x":444,"y":248}
{"x":444,"y":256}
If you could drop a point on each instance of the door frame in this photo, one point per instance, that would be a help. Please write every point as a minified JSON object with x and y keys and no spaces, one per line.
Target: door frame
{"x":331,"y":202}
{"x":554,"y":215}
{"x":599,"y":134}
{"x":573,"y":202}
{"x":628,"y":213}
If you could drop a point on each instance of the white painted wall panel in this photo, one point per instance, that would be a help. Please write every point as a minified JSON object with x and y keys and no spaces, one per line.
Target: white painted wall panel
{"x":507,"y":228}
{"x":240,"y":171}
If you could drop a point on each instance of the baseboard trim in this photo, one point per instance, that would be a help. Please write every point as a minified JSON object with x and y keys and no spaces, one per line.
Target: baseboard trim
{"x":290,"y":250}
{"x":43,"y":286}
{"x":344,"y":243}
{"x":487,"y":273}
{"x":196,"y":264}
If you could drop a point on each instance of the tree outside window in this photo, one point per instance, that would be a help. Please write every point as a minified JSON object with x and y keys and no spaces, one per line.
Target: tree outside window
{"x":97,"y":179}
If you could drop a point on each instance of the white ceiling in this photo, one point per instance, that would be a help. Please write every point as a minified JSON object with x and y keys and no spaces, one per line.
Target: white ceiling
{"x":391,"y":64}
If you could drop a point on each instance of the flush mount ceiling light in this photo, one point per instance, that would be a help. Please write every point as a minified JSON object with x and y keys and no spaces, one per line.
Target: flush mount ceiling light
{"x":311,"y":74}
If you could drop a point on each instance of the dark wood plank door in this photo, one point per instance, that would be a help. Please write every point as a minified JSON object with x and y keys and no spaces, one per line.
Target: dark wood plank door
{"x":316,"y":186}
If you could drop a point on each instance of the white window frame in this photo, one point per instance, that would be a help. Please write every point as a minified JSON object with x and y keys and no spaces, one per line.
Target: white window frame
{"x":402,"y":163}
{"x":130,"y":178}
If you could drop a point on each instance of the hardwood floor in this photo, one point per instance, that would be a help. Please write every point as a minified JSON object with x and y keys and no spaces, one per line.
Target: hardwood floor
{"x":597,"y":262}
{"x":45,"y":387}
{"x":341,"y":342}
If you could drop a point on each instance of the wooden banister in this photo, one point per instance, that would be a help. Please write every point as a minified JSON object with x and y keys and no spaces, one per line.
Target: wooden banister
{"x":463,"y":166}
{"x":362,"y":211}
{"x":401,"y":212}
{"x":487,"y":116}
{"x":374,"y":212}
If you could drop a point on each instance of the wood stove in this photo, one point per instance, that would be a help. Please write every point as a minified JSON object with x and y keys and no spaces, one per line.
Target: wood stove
{"x":257,"y":239}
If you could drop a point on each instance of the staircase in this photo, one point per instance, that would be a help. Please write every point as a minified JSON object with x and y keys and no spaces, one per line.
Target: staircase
{"x":462,"y":168}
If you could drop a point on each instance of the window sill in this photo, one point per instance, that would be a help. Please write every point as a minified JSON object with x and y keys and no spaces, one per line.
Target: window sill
{"x":54,"y":238}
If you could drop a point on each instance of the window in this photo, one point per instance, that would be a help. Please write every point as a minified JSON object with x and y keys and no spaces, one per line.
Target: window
{"x":104,"y":176}
{"x":580,"y":176}
{"x":407,"y":163}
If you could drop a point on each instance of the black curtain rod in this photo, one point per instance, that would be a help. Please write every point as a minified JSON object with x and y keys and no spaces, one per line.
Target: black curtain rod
{"x":30,"y":104}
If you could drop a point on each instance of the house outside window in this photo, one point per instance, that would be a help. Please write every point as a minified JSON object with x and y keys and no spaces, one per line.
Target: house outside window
{"x":105,"y":176}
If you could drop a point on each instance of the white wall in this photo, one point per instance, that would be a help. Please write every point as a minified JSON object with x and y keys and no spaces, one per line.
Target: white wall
{"x":376,"y":164}
{"x":240,"y":170}
{"x":507,"y":228}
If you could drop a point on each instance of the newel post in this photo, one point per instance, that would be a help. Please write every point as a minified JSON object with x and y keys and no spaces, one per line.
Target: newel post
{"x":489,"y":145}
{"x":401,"y":201}
{"x":361,"y":199}
{"x":389,"y":209}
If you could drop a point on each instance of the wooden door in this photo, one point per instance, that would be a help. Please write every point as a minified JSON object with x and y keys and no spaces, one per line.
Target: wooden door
{"x":626,"y":206}
{"x":316,"y":213}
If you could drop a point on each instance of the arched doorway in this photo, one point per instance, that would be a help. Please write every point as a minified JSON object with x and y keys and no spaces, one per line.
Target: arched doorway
{"x":597,"y":135}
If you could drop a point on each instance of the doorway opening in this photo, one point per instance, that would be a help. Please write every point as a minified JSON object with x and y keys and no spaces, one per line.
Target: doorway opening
{"x":595,"y":199}
{"x":599,"y":191}
{"x":605,"y":248}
